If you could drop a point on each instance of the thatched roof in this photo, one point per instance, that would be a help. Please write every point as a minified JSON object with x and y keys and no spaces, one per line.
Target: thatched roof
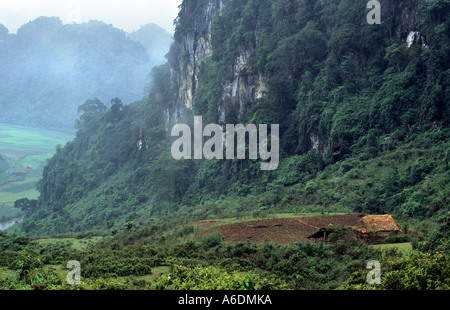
{"x":374,"y":223}
{"x":322,"y":224}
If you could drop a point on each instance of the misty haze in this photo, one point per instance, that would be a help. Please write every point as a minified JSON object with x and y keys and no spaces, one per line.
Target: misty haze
{"x":162,"y":182}
{"x":48,"y":69}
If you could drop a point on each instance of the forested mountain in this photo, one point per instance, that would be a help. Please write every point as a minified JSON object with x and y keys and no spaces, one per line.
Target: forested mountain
{"x":48,"y":69}
{"x":363,"y":110}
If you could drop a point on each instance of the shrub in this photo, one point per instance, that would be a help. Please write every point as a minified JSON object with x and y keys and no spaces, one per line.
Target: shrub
{"x":212,"y":278}
{"x":416,"y":271}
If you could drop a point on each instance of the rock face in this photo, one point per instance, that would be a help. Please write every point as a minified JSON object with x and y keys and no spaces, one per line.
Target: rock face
{"x":409,"y":28}
{"x":192,"y":48}
{"x":243,"y":87}
{"x":409,"y":18}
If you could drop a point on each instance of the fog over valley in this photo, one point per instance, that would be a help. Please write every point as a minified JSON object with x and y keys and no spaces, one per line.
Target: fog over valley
{"x":263,"y":145}
{"x":48,"y":68}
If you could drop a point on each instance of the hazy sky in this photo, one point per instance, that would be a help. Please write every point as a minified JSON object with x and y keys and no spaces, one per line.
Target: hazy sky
{"x":128,"y":15}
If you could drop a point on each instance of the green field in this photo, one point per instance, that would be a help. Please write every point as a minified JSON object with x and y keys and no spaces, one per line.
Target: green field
{"x":26,"y":151}
{"x":74,"y":243}
{"x":402,"y":247}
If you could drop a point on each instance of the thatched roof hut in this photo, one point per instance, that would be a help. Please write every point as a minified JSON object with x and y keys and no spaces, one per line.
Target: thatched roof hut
{"x":326,"y":225}
{"x":363,"y":227}
{"x":375,"y":227}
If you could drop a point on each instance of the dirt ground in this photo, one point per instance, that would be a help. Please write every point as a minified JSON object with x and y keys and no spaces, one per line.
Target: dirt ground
{"x":281,"y":230}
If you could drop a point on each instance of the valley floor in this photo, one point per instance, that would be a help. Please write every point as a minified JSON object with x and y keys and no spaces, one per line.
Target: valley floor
{"x":198,"y":256}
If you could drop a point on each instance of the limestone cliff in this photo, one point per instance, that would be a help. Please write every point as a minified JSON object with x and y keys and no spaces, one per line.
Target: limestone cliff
{"x":409,"y":28}
{"x":192,"y":48}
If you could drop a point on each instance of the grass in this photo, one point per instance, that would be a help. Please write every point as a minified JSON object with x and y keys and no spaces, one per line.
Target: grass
{"x":156,"y":273}
{"x":5,"y":271}
{"x":62,"y":272}
{"x":402,"y":247}
{"x":16,"y":137}
{"x":24,"y":147}
{"x":77,"y":244}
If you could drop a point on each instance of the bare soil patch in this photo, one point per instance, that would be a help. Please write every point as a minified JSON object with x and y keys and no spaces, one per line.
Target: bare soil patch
{"x":281,"y":230}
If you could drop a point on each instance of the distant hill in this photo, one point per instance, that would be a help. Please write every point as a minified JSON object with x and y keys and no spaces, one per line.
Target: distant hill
{"x":155,"y":39}
{"x":48,"y":69}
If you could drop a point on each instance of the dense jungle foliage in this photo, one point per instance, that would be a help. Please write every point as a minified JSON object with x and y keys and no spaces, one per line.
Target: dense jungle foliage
{"x":378,"y":109}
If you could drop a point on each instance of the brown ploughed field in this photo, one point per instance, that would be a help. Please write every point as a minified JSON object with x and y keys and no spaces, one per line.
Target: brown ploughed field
{"x":280,"y":230}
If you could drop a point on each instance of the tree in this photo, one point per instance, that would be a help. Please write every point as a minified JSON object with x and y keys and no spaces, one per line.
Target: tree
{"x":439,"y":240}
{"x":116,"y":107}
{"x":168,"y":178}
{"x":26,"y":205}
{"x":89,"y":109}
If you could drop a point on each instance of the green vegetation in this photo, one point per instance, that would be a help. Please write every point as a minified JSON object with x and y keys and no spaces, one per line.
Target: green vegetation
{"x":173,"y":256}
{"x":414,"y":271}
{"x":24,"y":152}
{"x":402,"y":247}
{"x":74,"y":243}
{"x":376,"y":108}
{"x":364,"y":122}
{"x":210,"y":278}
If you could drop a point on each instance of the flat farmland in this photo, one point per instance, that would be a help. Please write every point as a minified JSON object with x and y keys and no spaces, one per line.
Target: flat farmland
{"x":26,"y":151}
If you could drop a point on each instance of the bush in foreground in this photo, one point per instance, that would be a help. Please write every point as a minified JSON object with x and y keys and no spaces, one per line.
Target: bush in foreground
{"x":212,"y":278}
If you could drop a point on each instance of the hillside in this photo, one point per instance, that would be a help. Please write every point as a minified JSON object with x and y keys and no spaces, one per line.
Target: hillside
{"x":49,"y":68}
{"x":363,"y":114}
